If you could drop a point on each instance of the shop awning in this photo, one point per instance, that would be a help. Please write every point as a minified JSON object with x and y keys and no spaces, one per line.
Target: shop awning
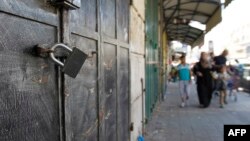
{"x":179,"y":14}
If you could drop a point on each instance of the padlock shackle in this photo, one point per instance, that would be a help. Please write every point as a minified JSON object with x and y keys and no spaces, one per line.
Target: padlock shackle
{"x":52,"y":56}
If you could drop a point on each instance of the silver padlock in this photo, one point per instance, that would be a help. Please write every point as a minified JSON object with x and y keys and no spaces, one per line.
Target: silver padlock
{"x":73,"y":62}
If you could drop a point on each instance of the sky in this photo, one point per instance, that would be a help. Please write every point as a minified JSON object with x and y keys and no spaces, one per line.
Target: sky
{"x":234,"y":17}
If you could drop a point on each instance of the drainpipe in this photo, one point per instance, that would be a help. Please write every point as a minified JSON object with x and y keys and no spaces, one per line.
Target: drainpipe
{"x":143,"y":120}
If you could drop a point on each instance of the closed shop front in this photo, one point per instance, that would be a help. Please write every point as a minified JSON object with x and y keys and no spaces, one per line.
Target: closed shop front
{"x":40,"y":103}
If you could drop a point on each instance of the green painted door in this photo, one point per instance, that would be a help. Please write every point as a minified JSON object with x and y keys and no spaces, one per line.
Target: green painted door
{"x":152,"y":58}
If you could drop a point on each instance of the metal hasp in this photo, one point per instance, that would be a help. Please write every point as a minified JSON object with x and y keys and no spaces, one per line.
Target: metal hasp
{"x":70,"y":4}
{"x":74,"y":61}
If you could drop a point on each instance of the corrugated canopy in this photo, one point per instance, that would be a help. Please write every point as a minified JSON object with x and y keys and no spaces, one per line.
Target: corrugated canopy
{"x":180,"y":13}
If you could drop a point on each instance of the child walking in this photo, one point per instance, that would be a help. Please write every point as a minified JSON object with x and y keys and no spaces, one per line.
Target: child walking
{"x":233,"y":82}
{"x":184,"y":75}
{"x":222,"y":78}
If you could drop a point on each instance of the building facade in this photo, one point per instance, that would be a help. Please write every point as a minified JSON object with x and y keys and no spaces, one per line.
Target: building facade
{"x":115,"y":92}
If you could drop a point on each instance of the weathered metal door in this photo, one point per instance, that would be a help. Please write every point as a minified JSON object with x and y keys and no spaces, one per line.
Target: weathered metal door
{"x":37,"y":101}
{"x":97,"y":101}
{"x":81,"y":93}
{"x":29,"y":101}
{"x":114,"y":94}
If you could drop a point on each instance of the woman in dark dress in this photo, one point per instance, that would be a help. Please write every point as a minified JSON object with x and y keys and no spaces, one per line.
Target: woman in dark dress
{"x":202,"y":70}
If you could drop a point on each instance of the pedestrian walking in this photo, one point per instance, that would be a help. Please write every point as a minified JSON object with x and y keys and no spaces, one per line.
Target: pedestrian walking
{"x":184,"y":75}
{"x":219,"y":62}
{"x":202,"y":70}
{"x":233,"y":81}
{"x":222,"y":78}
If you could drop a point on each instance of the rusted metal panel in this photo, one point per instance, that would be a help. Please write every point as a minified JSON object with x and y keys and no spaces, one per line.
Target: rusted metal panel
{"x":81,"y":101}
{"x":37,"y":10}
{"x":137,"y":34}
{"x":38,"y":102}
{"x":28,"y":91}
{"x":113,"y":118}
{"x":122,"y":20}
{"x":123,"y":96}
{"x":81,"y":96}
{"x":108,"y":17}
{"x":85,"y":17}
{"x":108,"y":106}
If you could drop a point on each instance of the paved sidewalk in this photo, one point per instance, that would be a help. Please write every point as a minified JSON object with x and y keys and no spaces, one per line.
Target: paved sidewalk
{"x":172,"y":123}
